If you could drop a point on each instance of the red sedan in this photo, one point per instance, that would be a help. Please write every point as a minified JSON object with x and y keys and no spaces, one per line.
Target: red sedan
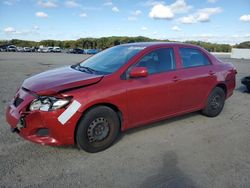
{"x":125,"y":86}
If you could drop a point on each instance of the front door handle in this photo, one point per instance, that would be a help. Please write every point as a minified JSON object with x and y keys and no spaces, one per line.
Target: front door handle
{"x":176,"y":79}
{"x":211,"y":73}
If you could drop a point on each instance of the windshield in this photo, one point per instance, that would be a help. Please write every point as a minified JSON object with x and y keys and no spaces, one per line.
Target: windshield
{"x":110,"y":60}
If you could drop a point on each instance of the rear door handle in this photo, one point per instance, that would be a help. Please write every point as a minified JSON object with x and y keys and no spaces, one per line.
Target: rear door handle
{"x":176,"y":79}
{"x":211,"y":73}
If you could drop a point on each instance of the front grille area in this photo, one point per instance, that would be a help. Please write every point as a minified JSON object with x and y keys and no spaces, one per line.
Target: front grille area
{"x":17,"y":101}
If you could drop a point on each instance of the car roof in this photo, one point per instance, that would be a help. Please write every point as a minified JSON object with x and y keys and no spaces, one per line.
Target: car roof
{"x":150,"y":44}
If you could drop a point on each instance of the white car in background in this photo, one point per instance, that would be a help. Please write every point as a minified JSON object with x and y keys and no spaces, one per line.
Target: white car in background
{"x":56,"y":49}
{"x":47,"y":49}
{"x":27,"y":49}
{"x":11,"y":48}
{"x":19,"y":49}
{"x":39,"y":49}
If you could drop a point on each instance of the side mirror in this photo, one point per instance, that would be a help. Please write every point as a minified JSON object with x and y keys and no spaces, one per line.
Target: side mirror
{"x":138,"y":72}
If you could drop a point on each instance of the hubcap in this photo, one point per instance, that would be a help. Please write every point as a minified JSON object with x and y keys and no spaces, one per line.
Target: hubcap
{"x":98,"y":130}
{"x":216,"y":102}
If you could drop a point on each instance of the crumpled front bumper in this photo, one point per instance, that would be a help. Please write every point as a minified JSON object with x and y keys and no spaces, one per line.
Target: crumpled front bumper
{"x":39,"y":126}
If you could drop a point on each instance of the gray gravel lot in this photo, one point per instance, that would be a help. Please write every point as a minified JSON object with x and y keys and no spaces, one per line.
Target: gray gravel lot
{"x":187,"y":151}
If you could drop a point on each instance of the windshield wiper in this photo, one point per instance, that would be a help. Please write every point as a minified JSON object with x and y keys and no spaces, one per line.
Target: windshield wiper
{"x":86,"y":69}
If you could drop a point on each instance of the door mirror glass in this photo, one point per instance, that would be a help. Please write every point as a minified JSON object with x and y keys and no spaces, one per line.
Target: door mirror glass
{"x":138,"y":72}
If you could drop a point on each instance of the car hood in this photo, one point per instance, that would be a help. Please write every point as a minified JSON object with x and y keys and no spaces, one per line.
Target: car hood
{"x":56,"y":80}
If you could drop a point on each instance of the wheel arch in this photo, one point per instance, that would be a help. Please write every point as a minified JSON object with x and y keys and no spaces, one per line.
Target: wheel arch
{"x":110,"y":105}
{"x":208,"y":111}
{"x":222,"y":86}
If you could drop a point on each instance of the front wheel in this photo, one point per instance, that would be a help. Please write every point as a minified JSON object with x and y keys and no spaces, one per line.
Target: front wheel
{"x":215,"y":102}
{"x":98,"y":129}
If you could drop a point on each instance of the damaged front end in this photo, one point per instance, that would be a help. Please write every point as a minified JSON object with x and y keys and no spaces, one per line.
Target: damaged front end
{"x":21,"y":124}
{"x":36,"y":118}
{"x":41,"y":110}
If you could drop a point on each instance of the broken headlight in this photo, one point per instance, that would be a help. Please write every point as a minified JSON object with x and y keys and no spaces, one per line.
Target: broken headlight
{"x":45,"y":103}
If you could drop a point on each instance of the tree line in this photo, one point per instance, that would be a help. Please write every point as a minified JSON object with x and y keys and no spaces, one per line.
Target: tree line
{"x":243,"y":45}
{"x":106,"y":42}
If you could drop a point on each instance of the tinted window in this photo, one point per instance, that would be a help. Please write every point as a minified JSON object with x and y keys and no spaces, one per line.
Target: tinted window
{"x":193,"y":57}
{"x":159,"y":60}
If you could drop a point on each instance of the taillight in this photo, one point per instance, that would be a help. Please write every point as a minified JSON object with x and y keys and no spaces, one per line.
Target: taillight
{"x":234,"y":71}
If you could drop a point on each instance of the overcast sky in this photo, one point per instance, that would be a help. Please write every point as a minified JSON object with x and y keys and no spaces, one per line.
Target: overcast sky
{"x":220,"y":21}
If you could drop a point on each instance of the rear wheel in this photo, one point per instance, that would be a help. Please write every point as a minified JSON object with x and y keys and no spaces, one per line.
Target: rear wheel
{"x":215,"y":102}
{"x":98,"y":129}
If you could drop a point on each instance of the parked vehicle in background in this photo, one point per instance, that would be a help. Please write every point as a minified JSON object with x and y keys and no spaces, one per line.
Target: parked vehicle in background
{"x":50,"y":49}
{"x":56,"y":49}
{"x":47,"y":49}
{"x":40,"y":48}
{"x":76,"y":51}
{"x":70,"y":50}
{"x":122,"y":87}
{"x":27,"y":49}
{"x":3,"y":48}
{"x":44,"y":50}
{"x":246,"y":81}
{"x":11,"y":48}
{"x":19,"y":49}
{"x":91,"y":51}
{"x":34,"y":49}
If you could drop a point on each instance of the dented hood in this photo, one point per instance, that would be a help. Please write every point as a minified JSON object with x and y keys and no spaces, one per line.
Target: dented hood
{"x":59,"y":79}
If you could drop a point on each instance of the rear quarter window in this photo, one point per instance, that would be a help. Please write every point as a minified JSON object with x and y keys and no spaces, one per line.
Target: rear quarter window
{"x":193,"y":57}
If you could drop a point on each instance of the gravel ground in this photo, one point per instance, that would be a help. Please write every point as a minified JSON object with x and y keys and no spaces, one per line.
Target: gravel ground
{"x":187,"y":151}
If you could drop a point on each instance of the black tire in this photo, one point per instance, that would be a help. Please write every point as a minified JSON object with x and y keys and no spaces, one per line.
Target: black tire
{"x":97,"y":129}
{"x":215,"y":102}
{"x":248,"y":88}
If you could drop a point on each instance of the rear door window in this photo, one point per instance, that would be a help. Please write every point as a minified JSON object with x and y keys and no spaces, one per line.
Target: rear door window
{"x":193,"y":57}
